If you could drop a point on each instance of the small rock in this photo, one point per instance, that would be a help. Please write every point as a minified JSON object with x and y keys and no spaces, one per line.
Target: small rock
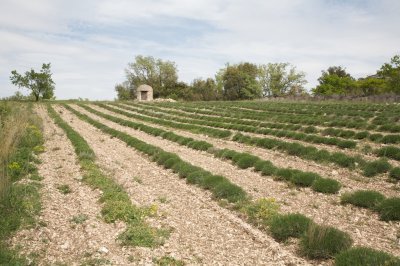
{"x":65,"y":245}
{"x":334,"y":172}
{"x":79,"y":178}
{"x":103,"y":250}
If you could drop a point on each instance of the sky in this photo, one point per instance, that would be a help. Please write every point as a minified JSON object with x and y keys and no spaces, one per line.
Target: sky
{"x":90,"y":43}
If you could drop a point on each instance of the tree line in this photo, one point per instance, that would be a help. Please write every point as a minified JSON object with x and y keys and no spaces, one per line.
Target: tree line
{"x":246,"y":81}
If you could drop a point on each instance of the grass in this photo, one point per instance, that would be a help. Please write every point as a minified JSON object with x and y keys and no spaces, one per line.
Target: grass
{"x":21,"y":138}
{"x":362,"y":256}
{"x":363,"y":198}
{"x":324,"y":242}
{"x":285,"y":226}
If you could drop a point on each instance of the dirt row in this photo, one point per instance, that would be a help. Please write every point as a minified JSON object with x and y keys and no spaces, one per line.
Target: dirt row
{"x":57,"y":238}
{"x":363,"y":225}
{"x":350,"y":179}
{"x":202,"y":231}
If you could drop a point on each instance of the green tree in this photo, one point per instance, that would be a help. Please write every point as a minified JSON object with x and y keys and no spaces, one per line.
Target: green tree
{"x":40,"y":83}
{"x":335,"y":81}
{"x":278,"y":79}
{"x":371,"y":85}
{"x":390,"y":72}
{"x":240,"y":82}
{"x":160,"y":75}
{"x":205,"y":90}
{"x":124,"y":92}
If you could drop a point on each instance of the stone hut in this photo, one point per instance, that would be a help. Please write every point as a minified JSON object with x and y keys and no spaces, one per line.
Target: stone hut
{"x":144,"y":93}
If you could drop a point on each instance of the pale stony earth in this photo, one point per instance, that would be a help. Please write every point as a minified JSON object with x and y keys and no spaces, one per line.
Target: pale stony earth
{"x":202,"y":232}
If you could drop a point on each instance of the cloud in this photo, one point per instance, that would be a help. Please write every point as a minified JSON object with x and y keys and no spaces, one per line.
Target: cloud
{"x":89,"y":43}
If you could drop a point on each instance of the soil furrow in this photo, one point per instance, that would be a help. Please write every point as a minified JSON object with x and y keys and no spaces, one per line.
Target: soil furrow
{"x":70,"y":230}
{"x":363,"y":225}
{"x":203,"y":232}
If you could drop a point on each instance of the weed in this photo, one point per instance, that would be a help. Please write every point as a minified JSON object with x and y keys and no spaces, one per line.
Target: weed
{"x":64,"y":189}
{"x":168,"y":261}
{"x":262,"y":211}
{"x":143,"y":236}
{"x":79,"y":219}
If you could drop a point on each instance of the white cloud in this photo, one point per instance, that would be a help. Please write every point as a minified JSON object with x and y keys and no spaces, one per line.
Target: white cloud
{"x":89,"y":43}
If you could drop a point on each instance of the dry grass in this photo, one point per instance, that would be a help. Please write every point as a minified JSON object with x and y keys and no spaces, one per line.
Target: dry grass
{"x":13,"y":121}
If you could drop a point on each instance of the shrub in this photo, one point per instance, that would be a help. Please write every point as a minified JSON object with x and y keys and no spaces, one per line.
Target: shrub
{"x":197,"y":177}
{"x":229,"y":191}
{"x":376,"y":167}
{"x":389,"y":209}
{"x":390,"y":152}
{"x":260,"y":164}
{"x":211,"y":181}
{"x":346,"y":144}
{"x":343,"y":160}
{"x":362,"y":256}
{"x":304,"y":179}
{"x":375,"y":137}
{"x":285,"y":174}
{"x":391,"y":139}
{"x":171,"y":162}
{"x":323,"y":242}
{"x":326,"y":185}
{"x":246,"y":161}
{"x":395,"y":173}
{"x":361,"y":135}
{"x":363,"y":198}
{"x":288,"y":225}
{"x":268,"y":170}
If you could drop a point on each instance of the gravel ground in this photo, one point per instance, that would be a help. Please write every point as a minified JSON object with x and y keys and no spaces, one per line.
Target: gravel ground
{"x":202,"y":231}
{"x":363,"y":225}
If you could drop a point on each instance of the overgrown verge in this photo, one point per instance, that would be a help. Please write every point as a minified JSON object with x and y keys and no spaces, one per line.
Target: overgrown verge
{"x":116,"y":205}
{"x":317,"y":242}
{"x":21,"y":140}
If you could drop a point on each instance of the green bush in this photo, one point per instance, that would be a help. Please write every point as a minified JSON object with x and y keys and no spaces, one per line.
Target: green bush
{"x":286,"y":174}
{"x":343,"y":160}
{"x":260,"y":164}
{"x":323,"y":242}
{"x":349,"y":144}
{"x":197,"y":177}
{"x":389,"y":209}
{"x":390,"y":152}
{"x":211,"y":181}
{"x":363,"y":198}
{"x":268,"y":170}
{"x":171,"y":162}
{"x":326,"y":185}
{"x":361,"y":135}
{"x":395,"y":173}
{"x":288,"y":225}
{"x":376,"y":167}
{"x":362,"y":256}
{"x":375,"y":137}
{"x":246,"y":161}
{"x":304,"y":179}
{"x":229,"y":191}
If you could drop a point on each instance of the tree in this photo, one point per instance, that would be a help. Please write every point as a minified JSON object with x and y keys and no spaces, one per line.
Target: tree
{"x":124,"y":92}
{"x":371,"y":85}
{"x":278,"y":79}
{"x":160,"y":75}
{"x":335,"y":81}
{"x":205,"y":90}
{"x":40,"y":83}
{"x":390,"y":72}
{"x":240,"y":82}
